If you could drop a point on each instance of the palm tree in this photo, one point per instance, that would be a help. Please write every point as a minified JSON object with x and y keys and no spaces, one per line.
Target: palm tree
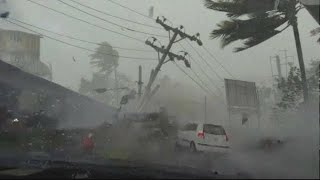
{"x":106,"y":59}
{"x":264,"y":19}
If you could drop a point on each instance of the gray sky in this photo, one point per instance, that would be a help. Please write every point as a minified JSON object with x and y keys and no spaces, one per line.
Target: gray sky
{"x":251,"y":65}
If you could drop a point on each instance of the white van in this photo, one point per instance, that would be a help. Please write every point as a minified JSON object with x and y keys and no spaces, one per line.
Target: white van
{"x":203,"y":137}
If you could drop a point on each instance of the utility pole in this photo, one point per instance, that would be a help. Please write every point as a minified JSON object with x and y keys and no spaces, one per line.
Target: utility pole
{"x":278,"y":75}
{"x":279,"y":67}
{"x":286,"y":60}
{"x":140,"y":83}
{"x":116,"y":83}
{"x":287,"y":63}
{"x":205,"y":109}
{"x":165,"y":51}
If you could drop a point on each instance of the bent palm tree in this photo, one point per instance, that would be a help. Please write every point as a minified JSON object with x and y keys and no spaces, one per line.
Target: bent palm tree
{"x":264,"y":19}
{"x":105,"y":58}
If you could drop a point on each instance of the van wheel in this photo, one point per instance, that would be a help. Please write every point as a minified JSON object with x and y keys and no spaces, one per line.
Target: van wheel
{"x":193,"y":148}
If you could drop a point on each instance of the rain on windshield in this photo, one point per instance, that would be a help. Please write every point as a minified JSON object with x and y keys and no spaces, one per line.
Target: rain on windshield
{"x":225,"y":86}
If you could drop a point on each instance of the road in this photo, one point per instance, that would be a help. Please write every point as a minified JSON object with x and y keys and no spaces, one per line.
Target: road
{"x":293,"y":159}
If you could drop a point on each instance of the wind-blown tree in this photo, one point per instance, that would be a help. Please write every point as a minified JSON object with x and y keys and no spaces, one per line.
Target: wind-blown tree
{"x":313,"y":76}
{"x":316,"y":32}
{"x":255,"y":21}
{"x":291,"y":89}
{"x":106,"y":59}
{"x":98,"y":81}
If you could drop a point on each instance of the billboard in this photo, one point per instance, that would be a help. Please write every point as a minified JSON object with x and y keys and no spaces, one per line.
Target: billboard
{"x":241,"y":94}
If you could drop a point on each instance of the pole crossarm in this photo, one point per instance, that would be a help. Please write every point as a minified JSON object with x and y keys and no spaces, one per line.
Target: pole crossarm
{"x":165,"y":51}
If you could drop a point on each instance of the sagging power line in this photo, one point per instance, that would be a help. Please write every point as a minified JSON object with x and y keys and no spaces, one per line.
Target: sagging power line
{"x":202,"y":70}
{"x":78,"y":39}
{"x":132,"y":10}
{"x":195,"y":50}
{"x":206,"y":49}
{"x":79,"y":47}
{"x":211,"y":54}
{"x":110,"y":22}
{"x":201,"y":81}
{"x":190,"y":77}
{"x":87,"y":22}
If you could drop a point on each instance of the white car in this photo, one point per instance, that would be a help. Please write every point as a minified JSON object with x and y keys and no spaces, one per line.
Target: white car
{"x":203,"y":137}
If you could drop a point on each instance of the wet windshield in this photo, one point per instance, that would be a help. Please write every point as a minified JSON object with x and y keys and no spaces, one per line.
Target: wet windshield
{"x":228,"y":87}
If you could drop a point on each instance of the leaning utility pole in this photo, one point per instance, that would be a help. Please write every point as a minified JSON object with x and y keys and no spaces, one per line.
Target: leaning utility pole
{"x":140,"y":83}
{"x":166,"y":52}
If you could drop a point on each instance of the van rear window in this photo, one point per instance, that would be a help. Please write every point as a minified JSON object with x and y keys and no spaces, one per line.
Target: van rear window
{"x":213,"y":129}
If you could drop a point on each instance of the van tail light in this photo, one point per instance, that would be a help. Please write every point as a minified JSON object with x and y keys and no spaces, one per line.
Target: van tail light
{"x":201,"y":134}
{"x":227,"y":138}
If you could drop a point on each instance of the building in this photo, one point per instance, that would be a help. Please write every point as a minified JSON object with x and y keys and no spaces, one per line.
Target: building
{"x":27,"y":94}
{"x":22,"y":50}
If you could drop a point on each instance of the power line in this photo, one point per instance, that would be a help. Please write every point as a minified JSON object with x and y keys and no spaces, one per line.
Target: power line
{"x":190,"y":77}
{"x":78,"y":39}
{"x":206,"y":49}
{"x":203,"y":71}
{"x":130,"y":37}
{"x":179,"y":43}
{"x":132,"y":10}
{"x":201,"y":81}
{"x":115,"y":24}
{"x":211,"y":80}
{"x":108,"y":14}
{"x":205,"y":61}
{"x":83,"y":48}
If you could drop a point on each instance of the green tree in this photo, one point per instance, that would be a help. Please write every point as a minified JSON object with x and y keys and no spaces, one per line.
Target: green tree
{"x":313,"y":76}
{"x":291,"y":89}
{"x":255,"y":21}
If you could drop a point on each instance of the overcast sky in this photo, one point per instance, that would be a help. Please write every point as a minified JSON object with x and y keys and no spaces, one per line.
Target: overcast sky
{"x":251,"y":65}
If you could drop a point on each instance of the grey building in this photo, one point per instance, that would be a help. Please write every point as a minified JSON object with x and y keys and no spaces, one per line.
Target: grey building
{"x":22,"y":50}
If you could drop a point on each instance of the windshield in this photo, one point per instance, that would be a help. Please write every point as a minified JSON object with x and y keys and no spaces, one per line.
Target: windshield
{"x":104,"y":81}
